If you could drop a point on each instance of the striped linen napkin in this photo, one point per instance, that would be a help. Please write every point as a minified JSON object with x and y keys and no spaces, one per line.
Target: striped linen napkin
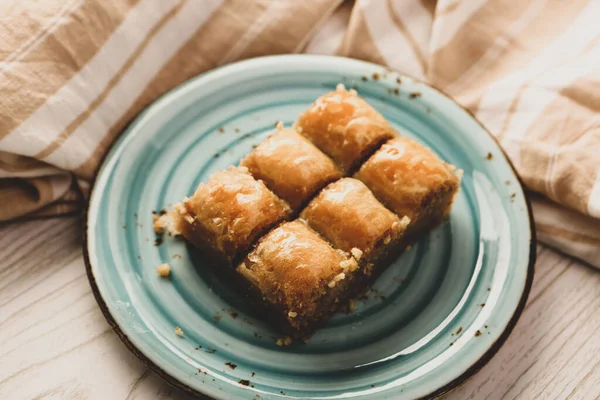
{"x":73,"y":73}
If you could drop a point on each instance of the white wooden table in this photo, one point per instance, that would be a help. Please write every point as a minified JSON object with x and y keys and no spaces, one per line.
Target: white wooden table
{"x":55,"y":343}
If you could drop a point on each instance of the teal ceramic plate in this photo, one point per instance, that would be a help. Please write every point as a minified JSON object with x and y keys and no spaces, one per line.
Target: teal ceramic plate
{"x":432,"y":319}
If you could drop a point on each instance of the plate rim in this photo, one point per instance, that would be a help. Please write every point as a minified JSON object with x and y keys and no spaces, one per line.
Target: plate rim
{"x":453,"y":384}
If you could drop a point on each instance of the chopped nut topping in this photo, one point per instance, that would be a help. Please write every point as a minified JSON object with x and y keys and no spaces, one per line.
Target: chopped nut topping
{"x":157,"y":224}
{"x":279,"y":342}
{"x":387,"y":240}
{"x":339,"y":277}
{"x":395,"y":225}
{"x":189,"y":218}
{"x":405,"y":220}
{"x":353,"y":91}
{"x":287,"y":341}
{"x":357,"y":253}
{"x":292,"y":314}
{"x":178,"y":331}
{"x":163,"y":270}
{"x":331,"y":284}
{"x":349,"y":264}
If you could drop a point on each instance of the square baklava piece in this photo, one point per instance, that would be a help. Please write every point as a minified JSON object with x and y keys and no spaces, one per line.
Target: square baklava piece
{"x":345,"y":127}
{"x":412,"y":181}
{"x":227,"y":214}
{"x":301,"y":277}
{"x":348,"y":215}
{"x":291,"y":166}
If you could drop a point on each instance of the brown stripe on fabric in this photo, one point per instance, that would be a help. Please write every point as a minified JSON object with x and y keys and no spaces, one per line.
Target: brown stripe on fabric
{"x":447,"y":9}
{"x":287,"y":28}
{"x":357,"y":42}
{"x":409,"y":37}
{"x":56,"y":59}
{"x":559,"y":153}
{"x":565,"y":234}
{"x":203,"y":51}
{"x":17,"y":163}
{"x":60,"y":139}
{"x":429,"y":5}
{"x":22,"y":196}
{"x":23,"y":23}
{"x":55,"y":210}
{"x":482,"y":33}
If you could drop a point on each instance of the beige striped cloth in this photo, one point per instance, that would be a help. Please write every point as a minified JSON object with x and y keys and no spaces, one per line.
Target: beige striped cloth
{"x":73,"y":73}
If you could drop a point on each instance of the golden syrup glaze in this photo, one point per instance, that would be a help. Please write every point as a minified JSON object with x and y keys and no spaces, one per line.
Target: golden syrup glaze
{"x":403,"y":174}
{"x":348,"y":215}
{"x":345,"y":127}
{"x":291,"y":166}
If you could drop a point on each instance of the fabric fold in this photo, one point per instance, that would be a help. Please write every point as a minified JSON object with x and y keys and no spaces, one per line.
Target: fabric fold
{"x":74,"y":74}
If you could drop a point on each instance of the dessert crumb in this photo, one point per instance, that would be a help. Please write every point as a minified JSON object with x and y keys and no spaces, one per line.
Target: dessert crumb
{"x":292,"y":314}
{"x":231,"y":365}
{"x":178,"y":331}
{"x":376,"y":76}
{"x":414,"y":95}
{"x":489,"y":156}
{"x":163,"y":270}
{"x":356,"y":253}
{"x":478,"y":333}
{"x":245,"y":382}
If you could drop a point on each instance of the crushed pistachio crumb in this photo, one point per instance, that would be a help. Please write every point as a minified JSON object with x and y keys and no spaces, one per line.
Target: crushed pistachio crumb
{"x":357,"y":253}
{"x":178,"y":331}
{"x":163,"y":270}
{"x":287,"y":341}
{"x":279,"y":342}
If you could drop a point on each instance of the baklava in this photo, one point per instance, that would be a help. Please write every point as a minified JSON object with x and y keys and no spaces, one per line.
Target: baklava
{"x":345,"y":127}
{"x":412,"y":181}
{"x":227,"y":214}
{"x":291,"y":166}
{"x":299,"y":275}
{"x":348,"y":215}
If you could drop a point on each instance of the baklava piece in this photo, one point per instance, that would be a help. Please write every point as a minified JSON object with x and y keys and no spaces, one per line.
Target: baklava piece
{"x":345,"y":127}
{"x":227,"y":214}
{"x":348,"y":215}
{"x":412,"y":181}
{"x":299,"y":275}
{"x":291,"y":166}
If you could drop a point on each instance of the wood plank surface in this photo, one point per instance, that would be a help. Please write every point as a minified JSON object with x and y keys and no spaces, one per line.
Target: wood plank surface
{"x":55,"y":343}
